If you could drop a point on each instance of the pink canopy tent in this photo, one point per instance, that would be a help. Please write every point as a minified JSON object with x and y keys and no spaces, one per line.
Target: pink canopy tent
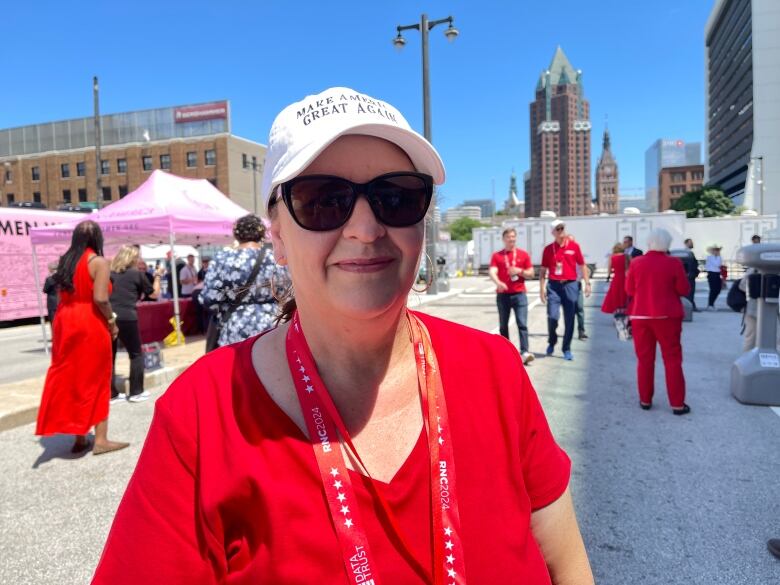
{"x":193,"y":211}
{"x":164,"y":209}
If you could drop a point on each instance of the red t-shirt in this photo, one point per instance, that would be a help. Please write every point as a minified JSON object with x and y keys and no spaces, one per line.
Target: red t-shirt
{"x":562,"y":261}
{"x":227,"y":489}
{"x":503,"y":260}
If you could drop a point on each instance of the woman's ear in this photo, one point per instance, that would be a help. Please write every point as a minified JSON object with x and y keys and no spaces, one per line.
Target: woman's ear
{"x":277,"y":241}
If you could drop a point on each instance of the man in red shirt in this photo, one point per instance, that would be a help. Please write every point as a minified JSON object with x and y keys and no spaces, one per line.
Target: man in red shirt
{"x":560,"y":260}
{"x":508,"y":269}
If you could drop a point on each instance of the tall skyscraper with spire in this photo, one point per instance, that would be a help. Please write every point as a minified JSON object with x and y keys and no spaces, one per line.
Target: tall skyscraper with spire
{"x":560,"y":143}
{"x":607,"y":189}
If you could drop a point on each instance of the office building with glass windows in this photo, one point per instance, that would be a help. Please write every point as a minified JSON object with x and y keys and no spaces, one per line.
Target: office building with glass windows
{"x":742,"y":111}
{"x":664,"y":154}
{"x":54,"y":164}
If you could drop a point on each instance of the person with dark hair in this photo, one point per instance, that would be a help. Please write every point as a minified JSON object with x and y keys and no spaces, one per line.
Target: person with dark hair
{"x":692,"y":271}
{"x":240,"y":283}
{"x":129,"y":286}
{"x":50,"y":290}
{"x":358,"y":441}
{"x":76,"y":393}
{"x":629,"y":249}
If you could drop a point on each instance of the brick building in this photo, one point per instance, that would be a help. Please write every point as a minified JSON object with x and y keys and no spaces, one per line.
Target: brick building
{"x":54,"y":163}
{"x":674,"y":182}
{"x":607,"y":184}
{"x":560,"y":143}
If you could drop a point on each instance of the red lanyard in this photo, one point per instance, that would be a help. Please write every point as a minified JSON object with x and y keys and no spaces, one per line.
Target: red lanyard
{"x":325,"y":426}
{"x":514,"y":259}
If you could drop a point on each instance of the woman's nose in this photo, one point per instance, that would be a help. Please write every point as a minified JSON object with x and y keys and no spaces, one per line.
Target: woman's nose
{"x":363,"y":224}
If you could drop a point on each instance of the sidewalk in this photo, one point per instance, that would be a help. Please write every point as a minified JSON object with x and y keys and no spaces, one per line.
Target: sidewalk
{"x":19,"y":401}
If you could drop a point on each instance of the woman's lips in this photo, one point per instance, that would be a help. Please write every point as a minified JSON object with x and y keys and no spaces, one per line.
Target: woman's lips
{"x":364,"y":264}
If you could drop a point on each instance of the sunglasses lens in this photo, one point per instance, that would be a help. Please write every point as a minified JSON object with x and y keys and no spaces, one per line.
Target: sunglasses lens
{"x":400,"y":200}
{"x":321,"y":203}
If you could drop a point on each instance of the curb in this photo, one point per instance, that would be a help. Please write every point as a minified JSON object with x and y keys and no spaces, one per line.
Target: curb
{"x":28,"y":414}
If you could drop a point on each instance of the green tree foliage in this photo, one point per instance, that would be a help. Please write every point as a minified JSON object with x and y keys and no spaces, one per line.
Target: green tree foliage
{"x":705,"y":202}
{"x":460,"y":229}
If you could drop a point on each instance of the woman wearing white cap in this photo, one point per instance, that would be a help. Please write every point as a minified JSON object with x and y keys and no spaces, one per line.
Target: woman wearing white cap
{"x":357,"y":442}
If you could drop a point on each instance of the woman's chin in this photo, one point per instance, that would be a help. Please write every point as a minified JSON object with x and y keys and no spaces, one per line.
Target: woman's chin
{"x":365,"y":304}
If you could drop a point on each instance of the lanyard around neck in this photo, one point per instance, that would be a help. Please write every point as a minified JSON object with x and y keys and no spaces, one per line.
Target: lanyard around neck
{"x":327,"y":432}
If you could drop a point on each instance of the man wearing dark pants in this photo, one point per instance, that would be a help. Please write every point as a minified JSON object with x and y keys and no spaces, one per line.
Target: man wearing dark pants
{"x":508,"y":269}
{"x":692,"y":271}
{"x":560,"y":260}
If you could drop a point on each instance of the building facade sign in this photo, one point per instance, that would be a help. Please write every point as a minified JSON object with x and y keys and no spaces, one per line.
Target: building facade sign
{"x":214,"y":111}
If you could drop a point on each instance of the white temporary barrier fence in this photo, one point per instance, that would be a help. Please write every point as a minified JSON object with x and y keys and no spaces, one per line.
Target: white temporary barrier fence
{"x":597,"y":234}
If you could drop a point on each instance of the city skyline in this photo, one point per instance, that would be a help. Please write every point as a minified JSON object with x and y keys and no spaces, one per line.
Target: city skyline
{"x":157,"y":55}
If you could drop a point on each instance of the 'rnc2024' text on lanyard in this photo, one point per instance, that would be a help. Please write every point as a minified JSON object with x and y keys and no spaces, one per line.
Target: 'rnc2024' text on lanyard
{"x":325,"y":426}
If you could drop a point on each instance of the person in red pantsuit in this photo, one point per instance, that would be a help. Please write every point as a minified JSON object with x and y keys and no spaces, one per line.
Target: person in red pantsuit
{"x":655,"y":283}
{"x":616,"y":298}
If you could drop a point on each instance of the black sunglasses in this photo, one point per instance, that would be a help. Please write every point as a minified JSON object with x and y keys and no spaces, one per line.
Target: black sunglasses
{"x":324,"y":202}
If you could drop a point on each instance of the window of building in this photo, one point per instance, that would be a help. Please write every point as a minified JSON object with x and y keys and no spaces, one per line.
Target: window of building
{"x":147,"y":163}
{"x":122,"y":191}
{"x":82,"y":195}
{"x":244,"y":161}
{"x":105,"y":167}
{"x":36,"y":173}
{"x":121,"y":166}
{"x":9,"y":176}
{"x":192,"y":159}
{"x":10,"y":198}
{"x":65,"y":170}
{"x":165,"y":161}
{"x":81,"y":169}
{"x":37,"y":196}
{"x":211,"y":157}
{"x":66,"y":195}
{"x":106,"y":193}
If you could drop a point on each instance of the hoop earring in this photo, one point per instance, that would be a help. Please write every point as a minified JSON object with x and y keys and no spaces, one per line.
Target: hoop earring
{"x":429,"y":280}
{"x":275,"y":293}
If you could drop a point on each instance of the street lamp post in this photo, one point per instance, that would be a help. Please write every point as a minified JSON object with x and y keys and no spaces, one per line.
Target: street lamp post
{"x":256,"y":168}
{"x":96,"y":112}
{"x":424,"y":26}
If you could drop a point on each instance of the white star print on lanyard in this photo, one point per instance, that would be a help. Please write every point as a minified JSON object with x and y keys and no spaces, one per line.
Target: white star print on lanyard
{"x":325,"y":427}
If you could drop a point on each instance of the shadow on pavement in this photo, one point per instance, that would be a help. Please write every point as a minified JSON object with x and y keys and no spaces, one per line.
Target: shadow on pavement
{"x":663,"y":499}
{"x":58,"y":447}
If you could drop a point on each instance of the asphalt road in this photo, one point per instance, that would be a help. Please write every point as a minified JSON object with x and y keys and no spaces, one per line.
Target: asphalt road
{"x":22,"y":355}
{"x":661,"y":499}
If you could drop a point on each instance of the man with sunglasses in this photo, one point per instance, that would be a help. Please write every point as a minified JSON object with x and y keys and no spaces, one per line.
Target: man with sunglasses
{"x":508,"y":269}
{"x":560,"y":260}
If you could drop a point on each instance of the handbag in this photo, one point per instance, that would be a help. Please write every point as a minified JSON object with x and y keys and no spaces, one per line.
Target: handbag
{"x":622,"y":325}
{"x":215,"y":324}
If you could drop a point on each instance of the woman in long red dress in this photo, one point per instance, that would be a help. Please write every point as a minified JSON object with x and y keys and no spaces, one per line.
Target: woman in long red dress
{"x":78,"y":383}
{"x":616,"y":298}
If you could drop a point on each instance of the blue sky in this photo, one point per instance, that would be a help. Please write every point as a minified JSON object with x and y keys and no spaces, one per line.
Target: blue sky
{"x":642,"y":64}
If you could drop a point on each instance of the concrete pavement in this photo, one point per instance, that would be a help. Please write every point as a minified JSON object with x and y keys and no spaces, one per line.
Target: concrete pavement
{"x":661,"y":499}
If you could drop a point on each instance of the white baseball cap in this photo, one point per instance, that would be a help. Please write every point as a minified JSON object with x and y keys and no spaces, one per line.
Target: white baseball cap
{"x":555,"y":223}
{"x":304,"y":129}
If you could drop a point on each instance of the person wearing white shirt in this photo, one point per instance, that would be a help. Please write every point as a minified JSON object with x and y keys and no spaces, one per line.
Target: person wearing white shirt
{"x":713,"y":266}
{"x":189,"y":277}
